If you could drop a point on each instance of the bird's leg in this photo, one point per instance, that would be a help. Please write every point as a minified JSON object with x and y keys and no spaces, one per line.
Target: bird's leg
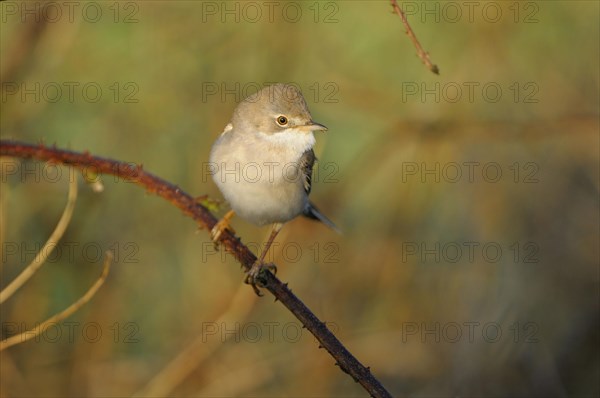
{"x":221,"y":226}
{"x":252,"y":276}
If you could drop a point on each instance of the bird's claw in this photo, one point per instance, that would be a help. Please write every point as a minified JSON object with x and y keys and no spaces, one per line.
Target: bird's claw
{"x":256,"y":275}
{"x":218,"y":229}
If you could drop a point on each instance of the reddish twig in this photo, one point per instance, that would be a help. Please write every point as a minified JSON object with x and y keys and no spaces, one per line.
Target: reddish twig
{"x":424,"y":55}
{"x":188,"y":204}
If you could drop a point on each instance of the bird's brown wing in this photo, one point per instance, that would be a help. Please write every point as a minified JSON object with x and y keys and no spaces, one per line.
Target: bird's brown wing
{"x":306,"y":162}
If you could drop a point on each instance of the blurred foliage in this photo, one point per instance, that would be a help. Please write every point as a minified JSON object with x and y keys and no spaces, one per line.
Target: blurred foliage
{"x":384,"y":283}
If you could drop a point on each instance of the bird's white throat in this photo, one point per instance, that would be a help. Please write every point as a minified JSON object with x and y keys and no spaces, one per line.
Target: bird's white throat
{"x":295,"y":140}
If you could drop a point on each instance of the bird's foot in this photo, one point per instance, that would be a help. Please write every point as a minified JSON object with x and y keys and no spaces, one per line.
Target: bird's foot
{"x":220,"y":227}
{"x":256,"y":275}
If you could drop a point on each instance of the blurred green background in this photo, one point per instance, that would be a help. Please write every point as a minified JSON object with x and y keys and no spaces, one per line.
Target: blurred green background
{"x":469,"y":201}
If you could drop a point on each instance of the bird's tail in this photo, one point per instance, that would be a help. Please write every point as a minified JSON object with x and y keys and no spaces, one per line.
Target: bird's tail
{"x":312,"y":212}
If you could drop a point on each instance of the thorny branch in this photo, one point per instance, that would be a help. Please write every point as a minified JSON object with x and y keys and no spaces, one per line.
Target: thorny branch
{"x":424,"y":55}
{"x":189,"y":206}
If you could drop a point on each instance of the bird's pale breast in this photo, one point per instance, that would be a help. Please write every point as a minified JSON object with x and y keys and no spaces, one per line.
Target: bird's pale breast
{"x":258,"y":174}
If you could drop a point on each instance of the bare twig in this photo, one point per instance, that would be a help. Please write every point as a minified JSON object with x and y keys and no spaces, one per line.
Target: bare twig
{"x":190,"y":358}
{"x":424,"y":55}
{"x":28,"y":335}
{"x":190,"y":206}
{"x":42,"y":255}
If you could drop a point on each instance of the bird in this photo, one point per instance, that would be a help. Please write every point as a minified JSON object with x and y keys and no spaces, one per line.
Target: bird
{"x":263,"y":162}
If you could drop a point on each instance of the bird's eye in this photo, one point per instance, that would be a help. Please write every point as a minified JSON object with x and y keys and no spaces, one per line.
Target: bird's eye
{"x":282,"y":120}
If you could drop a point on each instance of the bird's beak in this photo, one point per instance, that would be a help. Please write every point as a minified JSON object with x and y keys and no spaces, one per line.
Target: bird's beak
{"x":314,"y":126}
